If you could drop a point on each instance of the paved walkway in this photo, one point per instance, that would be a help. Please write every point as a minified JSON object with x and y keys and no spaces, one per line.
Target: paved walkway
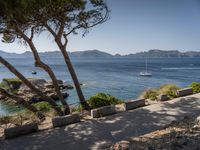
{"x":92,"y":134}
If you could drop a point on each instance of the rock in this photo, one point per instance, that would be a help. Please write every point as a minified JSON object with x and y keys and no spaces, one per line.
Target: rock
{"x":2,"y":97}
{"x":48,"y":85}
{"x":59,"y":82}
{"x":37,"y":82}
{"x":122,"y":145}
{"x":34,"y":99}
{"x":198,"y":120}
{"x":67,"y":86}
{"x":163,"y":97}
{"x":55,"y":97}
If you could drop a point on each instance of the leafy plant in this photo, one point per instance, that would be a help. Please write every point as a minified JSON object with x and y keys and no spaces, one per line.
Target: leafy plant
{"x":169,"y":89}
{"x":43,"y":106}
{"x":195,"y":87}
{"x":102,"y":99}
{"x":11,"y":84}
{"x":150,"y":94}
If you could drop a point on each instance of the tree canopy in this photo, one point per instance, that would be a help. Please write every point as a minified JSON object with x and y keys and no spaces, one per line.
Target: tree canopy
{"x":31,"y":16}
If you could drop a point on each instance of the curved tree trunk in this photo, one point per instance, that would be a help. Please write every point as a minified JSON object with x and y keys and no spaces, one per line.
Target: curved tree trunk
{"x":23,"y":103}
{"x":31,"y":86}
{"x":73,"y":74}
{"x":39,"y":63}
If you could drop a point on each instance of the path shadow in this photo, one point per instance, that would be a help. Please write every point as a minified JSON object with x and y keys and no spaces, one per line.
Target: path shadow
{"x":94,"y":134}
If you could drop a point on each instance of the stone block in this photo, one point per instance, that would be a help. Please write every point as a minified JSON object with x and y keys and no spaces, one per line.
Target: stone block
{"x":184,"y":92}
{"x":163,"y":97}
{"x":103,"y":111}
{"x":132,"y":104}
{"x":20,"y":130}
{"x":66,"y":120}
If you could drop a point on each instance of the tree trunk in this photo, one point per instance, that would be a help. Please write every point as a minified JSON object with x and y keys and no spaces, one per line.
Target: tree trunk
{"x":31,"y":86}
{"x":39,"y":63}
{"x":45,"y":67}
{"x":23,"y":103}
{"x":73,"y":74}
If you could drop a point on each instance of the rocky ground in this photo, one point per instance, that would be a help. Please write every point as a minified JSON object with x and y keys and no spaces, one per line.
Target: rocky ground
{"x":183,"y":135}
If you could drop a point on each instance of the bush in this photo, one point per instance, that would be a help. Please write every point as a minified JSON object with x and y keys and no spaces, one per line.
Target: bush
{"x":11,"y":84}
{"x":150,"y":94}
{"x":43,"y":106}
{"x":102,"y":99}
{"x":195,"y":87}
{"x":169,"y":89}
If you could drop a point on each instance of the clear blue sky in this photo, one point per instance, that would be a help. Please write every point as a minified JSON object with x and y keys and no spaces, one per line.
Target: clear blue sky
{"x":136,"y":25}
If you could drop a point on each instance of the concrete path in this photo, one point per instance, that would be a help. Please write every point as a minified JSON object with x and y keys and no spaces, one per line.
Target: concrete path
{"x":92,"y":134}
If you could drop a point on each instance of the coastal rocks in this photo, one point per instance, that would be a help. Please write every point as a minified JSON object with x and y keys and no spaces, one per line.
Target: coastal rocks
{"x":61,"y":86}
{"x":37,"y":82}
{"x":45,"y":86}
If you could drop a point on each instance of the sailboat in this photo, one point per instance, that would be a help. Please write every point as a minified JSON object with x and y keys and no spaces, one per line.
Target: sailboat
{"x":146,"y":73}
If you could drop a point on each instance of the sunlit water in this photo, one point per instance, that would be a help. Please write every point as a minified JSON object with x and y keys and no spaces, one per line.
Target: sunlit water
{"x":116,"y":76}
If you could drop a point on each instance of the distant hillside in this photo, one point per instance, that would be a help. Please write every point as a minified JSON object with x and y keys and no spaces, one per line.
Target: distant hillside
{"x":165,"y":54}
{"x":155,"y":53}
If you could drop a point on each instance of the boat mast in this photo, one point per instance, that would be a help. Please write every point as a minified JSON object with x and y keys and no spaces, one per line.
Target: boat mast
{"x":146,"y":64}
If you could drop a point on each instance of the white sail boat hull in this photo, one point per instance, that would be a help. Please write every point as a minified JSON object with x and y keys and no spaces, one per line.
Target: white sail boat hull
{"x":147,"y":74}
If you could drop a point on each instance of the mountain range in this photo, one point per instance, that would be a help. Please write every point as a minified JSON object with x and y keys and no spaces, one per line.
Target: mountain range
{"x":154,"y":53}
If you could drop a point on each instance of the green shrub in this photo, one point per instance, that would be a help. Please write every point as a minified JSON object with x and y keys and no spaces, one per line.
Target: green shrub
{"x":195,"y":87}
{"x":43,"y":106}
{"x":169,"y":89}
{"x":150,"y":94}
{"x":11,"y":84}
{"x":102,"y":99}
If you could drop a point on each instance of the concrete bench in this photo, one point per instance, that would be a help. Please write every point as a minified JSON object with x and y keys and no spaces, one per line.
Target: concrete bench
{"x":184,"y":92}
{"x":132,"y":104}
{"x":103,"y":111}
{"x":163,"y":97}
{"x":20,"y":130}
{"x":66,"y":120}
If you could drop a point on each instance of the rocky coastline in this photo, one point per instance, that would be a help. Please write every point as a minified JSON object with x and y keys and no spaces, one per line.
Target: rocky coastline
{"x":18,"y":88}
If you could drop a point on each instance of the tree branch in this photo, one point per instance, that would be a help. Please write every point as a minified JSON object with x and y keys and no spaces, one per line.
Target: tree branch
{"x":21,"y":101}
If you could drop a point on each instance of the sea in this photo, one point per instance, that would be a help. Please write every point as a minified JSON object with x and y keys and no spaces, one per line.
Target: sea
{"x":118,"y":76}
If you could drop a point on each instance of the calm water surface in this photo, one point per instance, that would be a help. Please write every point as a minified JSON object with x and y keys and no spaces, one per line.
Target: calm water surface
{"x":116,"y":76}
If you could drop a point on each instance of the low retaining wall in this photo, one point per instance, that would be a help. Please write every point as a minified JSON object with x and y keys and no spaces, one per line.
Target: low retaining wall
{"x":21,"y":130}
{"x":163,"y":97}
{"x":132,"y":104}
{"x":103,"y":111}
{"x":184,"y":92}
{"x":65,"y":120}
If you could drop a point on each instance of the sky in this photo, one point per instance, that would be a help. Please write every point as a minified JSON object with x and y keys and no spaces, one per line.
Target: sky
{"x":134,"y":26}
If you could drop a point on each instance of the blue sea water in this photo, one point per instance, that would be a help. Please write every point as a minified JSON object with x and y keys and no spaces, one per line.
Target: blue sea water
{"x":116,"y":76}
